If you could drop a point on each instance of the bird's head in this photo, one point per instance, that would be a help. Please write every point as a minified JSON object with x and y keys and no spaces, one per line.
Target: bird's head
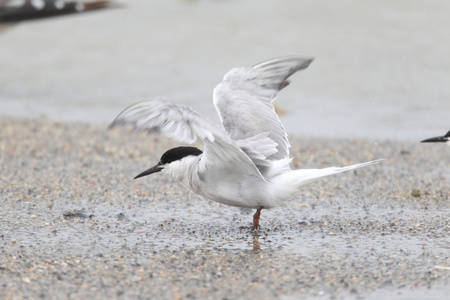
{"x":174,"y":160}
{"x":439,"y":139}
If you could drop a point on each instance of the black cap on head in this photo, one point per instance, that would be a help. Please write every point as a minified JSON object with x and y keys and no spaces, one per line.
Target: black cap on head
{"x":170,"y":156}
{"x":438,"y":139}
{"x":178,"y":153}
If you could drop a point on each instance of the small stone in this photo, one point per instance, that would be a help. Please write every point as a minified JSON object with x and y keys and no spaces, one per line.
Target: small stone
{"x":415,"y":193}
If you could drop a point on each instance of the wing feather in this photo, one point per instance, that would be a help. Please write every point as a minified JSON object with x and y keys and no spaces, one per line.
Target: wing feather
{"x":179,"y":122}
{"x":185,"y":125}
{"x":244,"y":101}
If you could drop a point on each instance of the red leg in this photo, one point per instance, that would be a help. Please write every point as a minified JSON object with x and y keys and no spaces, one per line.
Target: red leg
{"x":256,"y":217}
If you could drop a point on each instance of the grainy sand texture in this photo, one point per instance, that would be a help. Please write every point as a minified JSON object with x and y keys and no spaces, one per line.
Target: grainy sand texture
{"x":75,"y":225}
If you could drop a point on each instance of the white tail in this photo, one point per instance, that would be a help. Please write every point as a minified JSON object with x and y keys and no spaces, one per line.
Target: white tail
{"x":293,"y":180}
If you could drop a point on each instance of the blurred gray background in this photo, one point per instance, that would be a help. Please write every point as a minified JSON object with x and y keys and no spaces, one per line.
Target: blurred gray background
{"x":382,"y":68}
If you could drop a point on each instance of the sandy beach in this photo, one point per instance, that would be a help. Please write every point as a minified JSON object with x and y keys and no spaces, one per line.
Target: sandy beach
{"x":75,"y":225}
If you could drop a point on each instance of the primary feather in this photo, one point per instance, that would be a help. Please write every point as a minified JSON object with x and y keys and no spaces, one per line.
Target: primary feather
{"x":252,"y":90}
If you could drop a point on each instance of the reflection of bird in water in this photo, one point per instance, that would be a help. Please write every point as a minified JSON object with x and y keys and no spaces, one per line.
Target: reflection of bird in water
{"x":439,"y":139}
{"x":245,"y":162}
{"x":256,"y":244}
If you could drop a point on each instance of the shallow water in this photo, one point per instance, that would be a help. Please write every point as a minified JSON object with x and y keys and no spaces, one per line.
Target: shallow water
{"x":164,"y":227}
{"x":381,"y":68}
{"x":377,"y":232}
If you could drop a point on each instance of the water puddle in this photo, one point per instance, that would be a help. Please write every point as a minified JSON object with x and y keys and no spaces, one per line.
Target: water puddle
{"x":97,"y":229}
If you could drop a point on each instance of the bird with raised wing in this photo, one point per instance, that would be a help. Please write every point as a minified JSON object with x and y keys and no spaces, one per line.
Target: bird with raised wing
{"x":244,"y":162}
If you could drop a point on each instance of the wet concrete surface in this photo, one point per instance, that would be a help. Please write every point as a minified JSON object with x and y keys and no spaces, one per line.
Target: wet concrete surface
{"x":74,"y":224}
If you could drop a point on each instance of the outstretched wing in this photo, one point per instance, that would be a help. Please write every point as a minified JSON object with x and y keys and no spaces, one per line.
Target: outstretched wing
{"x":176,"y":121}
{"x":244,"y":101}
{"x":185,"y":125}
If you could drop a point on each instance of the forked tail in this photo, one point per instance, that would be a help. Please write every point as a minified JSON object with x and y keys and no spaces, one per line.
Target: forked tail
{"x":293,"y":180}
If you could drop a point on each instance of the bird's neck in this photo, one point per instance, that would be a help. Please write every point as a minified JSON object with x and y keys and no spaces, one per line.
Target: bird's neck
{"x":184,"y":169}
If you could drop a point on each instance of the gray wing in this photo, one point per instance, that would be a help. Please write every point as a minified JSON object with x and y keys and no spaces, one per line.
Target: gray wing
{"x":185,"y":125}
{"x":179,"y":122}
{"x":244,"y":101}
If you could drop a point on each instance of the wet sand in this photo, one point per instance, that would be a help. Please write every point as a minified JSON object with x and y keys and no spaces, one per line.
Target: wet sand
{"x":75,"y":225}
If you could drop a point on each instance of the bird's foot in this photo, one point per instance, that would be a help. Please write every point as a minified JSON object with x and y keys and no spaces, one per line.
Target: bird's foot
{"x":256,"y":217}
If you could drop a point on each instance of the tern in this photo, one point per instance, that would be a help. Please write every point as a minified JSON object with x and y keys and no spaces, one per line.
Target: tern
{"x":439,"y":139}
{"x":244,"y":162}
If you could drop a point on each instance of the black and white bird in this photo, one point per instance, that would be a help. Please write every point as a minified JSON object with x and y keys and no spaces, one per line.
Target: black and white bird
{"x":244,"y":162}
{"x":439,"y":139}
